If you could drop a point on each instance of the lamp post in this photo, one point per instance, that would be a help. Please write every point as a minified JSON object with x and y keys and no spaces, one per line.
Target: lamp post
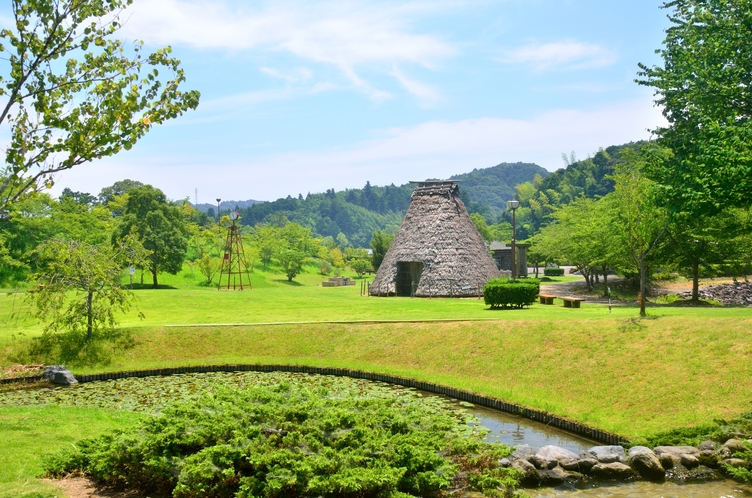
{"x":513,"y":205}
{"x":218,"y":201}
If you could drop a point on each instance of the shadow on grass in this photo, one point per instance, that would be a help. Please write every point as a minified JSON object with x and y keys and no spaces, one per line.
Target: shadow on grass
{"x":73,"y":349}
{"x":150,"y":287}
{"x":287,"y":282}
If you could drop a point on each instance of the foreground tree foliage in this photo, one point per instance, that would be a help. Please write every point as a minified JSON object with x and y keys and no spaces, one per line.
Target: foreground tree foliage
{"x":93,"y":274}
{"x":704,"y":89}
{"x":64,"y":111}
{"x":293,"y":440}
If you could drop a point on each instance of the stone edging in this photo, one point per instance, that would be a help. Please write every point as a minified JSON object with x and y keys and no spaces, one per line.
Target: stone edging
{"x":20,"y":380}
{"x":496,"y":404}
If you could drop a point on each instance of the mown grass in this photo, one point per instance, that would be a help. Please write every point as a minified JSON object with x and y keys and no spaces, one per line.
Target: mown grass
{"x":30,"y":432}
{"x":636,"y":377}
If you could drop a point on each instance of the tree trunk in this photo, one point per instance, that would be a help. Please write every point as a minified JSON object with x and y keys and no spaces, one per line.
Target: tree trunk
{"x":605,"y":280}
{"x":89,"y":316}
{"x":695,"y":281}
{"x":586,"y":273}
{"x":154,"y":275}
{"x":643,"y":272}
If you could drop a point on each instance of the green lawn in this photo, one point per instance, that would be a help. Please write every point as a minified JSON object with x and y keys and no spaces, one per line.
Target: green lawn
{"x":679,"y":367}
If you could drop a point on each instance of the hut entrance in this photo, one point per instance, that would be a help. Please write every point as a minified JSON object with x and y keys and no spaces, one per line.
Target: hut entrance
{"x":408,"y":277}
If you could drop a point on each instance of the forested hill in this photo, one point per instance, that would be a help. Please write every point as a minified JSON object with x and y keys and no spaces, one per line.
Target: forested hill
{"x":588,"y":177}
{"x":357,"y":213}
{"x":489,"y":189}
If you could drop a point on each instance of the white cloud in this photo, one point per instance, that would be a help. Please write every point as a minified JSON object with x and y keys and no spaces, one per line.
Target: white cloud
{"x":345,"y":34}
{"x":293,"y":76}
{"x":430,"y":150}
{"x":566,"y":54}
{"x":424,"y":92}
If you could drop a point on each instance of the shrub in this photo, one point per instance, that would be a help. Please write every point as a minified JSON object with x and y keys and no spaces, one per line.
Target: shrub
{"x":290,"y":440}
{"x":553,"y":272}
{"x":507,"y":293}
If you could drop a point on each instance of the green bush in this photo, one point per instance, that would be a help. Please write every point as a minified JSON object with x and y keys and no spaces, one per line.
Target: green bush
{"x":294,"y":440}
{"x":507,"y":293}
{"x":553,"y":272}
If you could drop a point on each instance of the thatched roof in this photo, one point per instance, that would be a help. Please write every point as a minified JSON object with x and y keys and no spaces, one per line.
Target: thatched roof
{"x":437,"y":232}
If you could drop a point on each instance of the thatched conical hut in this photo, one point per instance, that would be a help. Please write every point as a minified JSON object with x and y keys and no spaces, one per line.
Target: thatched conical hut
{"x":437,"y":250}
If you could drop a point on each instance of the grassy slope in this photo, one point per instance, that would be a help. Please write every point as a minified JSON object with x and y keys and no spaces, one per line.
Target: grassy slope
{"x":634,"y":377}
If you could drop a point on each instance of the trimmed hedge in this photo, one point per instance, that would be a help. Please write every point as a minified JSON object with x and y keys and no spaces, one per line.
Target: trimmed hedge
{"x":508,"y":293}
{"x":553,"y":272}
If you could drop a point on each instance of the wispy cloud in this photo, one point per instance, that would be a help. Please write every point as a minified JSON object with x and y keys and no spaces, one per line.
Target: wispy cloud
{"x":344,"y":34}
{"x":293,"y":76}
{"x":424,"y":92}
{"x":560,"y":55}
{"x":429,"y":150}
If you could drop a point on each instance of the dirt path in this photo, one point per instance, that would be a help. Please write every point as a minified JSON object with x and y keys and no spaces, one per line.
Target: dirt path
{"x":83,"y":487}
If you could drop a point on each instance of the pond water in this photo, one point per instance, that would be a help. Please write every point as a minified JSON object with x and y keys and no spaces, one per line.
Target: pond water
{"x":151,"y":394}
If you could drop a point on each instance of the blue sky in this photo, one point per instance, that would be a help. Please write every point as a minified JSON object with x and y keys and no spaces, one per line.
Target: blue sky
{"x":302,"y":96}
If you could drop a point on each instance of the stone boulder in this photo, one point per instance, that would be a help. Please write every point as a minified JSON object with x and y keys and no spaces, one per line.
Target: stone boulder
{"x":542,"y":462}
{"x":556,"y":453}
{"x":530,"y":475}
{"x":645,"y":463}
{"x":557,"y":476}
{"x":707,"y":446}
{"x":59,"y":375}
{"x":670,"y":456}
{"x":613,"y":471}
{"x":732,"y":446}
{"x":522,"y":452}
{"x":606,"y":454}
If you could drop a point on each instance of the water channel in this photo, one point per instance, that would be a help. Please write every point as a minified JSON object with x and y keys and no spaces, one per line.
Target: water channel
{"x":514,"y":430}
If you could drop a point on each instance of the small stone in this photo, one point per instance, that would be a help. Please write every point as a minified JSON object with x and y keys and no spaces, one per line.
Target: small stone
{"x":737,"y":463}
{"x":735,"y":446}
{"x":557,"y":476}
{"x":606,"y":454}
{"x":690,"y":461}
{"x":707,"y":446}
{"x":708,"y":458}
{"x":586,"y":464}
{"x":572,"y":464}
{"x":644,"y":461}
{"x":543,"y":463}
{"x":615,"y":470}
{"x":505,"y":462}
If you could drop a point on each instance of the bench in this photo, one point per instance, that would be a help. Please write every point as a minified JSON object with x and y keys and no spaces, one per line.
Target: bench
{"x":544,"y":299}
{"x":572,"y":302}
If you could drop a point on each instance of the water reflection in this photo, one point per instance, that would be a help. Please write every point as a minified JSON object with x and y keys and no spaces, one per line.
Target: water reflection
{"x":514,"y":430}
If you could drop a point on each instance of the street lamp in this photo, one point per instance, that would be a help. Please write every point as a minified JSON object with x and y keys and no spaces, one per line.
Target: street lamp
{"x":513,"y":205}
{"x":218,"y":201}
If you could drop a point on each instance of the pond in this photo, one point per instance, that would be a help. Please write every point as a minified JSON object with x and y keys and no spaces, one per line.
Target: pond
{"x":151,"y":394}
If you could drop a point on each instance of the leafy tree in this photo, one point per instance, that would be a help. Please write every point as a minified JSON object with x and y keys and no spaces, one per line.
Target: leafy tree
{"x":93,"y":273}
{"x":159,"y":226}
{"x":268,"y":239}
{"x":292,"y":260}
{"x":704,"y":90}
{"x":640,"y":222}
{"x":209,"y":266}
{"x":380,"y":243}
{"x":108,"y":194}
{"x":63,"y":112}
{"x":360,"y":266}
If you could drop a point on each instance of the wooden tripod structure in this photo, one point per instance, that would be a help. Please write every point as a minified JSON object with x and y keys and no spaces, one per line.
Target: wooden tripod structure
{"x":234,"y":266}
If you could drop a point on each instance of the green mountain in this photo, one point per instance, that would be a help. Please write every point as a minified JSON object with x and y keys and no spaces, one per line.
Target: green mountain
{"x":357,"y":213}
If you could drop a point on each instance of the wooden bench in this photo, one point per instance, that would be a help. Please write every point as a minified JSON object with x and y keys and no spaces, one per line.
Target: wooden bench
{"x":544,"y":299}
{"x":572,"y":302}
